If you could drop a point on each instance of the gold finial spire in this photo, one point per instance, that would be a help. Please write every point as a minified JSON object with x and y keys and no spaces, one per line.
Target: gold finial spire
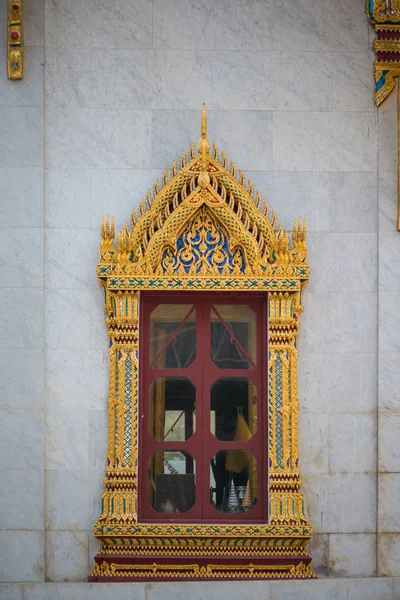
{"x":204,"y":148}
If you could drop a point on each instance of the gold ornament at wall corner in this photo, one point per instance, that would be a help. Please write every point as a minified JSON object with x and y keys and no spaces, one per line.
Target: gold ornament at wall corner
{"x":162,"y":248}
{"x":15,"y":48}
{"x":384,"y":16}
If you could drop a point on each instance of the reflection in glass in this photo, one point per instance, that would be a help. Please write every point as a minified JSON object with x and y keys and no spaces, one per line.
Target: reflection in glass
{"x":233,"y":336}
{"x":172,"y":336}
{"x":233,"y":414}
{"x":172,"y":409}
{"x":233,"y":481}
{"x":172,"y":481}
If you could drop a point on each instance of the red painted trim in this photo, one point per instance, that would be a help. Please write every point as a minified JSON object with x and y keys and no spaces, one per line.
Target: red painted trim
{"x":203,"y":373}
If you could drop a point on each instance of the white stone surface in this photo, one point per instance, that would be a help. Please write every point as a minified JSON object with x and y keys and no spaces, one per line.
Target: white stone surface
{"x":26,"y":544}
{"x":67,"y":555}
{"x":324,"y":141}
{"x":22,"y":257}
{"x":68,"y":198}
{"x":337,"y":383}
{"x":389,"y":491}
{"x":389,"y":446}
{"x":22,"y":499}
{"x":271,"y":81}
{"x":389,"y":558}
{"x":389,"y":381}
{"x":314,"y":442}
{"x":352,"y":555}
{"x":22,"y":377}
{"x":21,"y":190}
{"x":289,"y":92}
{"x":353,"y":443}
{"x":21,"y":451}
{"x":83,"y":138}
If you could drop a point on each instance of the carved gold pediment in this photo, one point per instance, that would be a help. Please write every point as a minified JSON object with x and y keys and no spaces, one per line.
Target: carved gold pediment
{"x":203,"y":221}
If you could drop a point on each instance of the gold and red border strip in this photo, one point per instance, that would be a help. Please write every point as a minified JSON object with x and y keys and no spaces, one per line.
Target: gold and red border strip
{"x":15,"y":50}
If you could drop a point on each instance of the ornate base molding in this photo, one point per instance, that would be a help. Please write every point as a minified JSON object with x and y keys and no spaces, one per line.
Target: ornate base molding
{"x":134,"y":568}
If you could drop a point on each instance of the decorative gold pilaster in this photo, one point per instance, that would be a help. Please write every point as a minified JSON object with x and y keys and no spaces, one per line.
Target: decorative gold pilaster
{"x":120,"y":497}
{"x":286,"y":502}
{"x":15,"y":52}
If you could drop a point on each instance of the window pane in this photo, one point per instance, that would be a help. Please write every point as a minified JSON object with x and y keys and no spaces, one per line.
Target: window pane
{"x":172,"y":336}
{"x":233,"y":481}
{"x":233,"y":416}
{"x":172,"y":409}
{"x":233,"y":336}
{"x":172,"y":481}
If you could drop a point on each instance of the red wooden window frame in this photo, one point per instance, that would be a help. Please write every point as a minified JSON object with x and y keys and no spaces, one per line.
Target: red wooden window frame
{"x":203,"y":373}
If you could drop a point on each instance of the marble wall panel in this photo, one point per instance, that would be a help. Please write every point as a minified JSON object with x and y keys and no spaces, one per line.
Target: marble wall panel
{"x":22,"y":257}
{"x":314,"y":442}
{"x":388,"y":201}
{"x":389,"y":558}
{"x":84,"y":138}
{"x":337,"y":383}
{"x":68,"y":78}
{"x":333,"y":322}
{"x":324,"y":141}
{"x":67,"y":555}
{"x":22,"y":498}
{"x":332,"y":270}
{"x":92,"y":25}
{"x":319,"y":25}
{"x":68,"y":198}
{"x":116,"y":86}
{"x":353,"y":443}
{"x":77,"y":378}
{"x":388,"y":509}
{"x":82,"y":322}
{"x":209,"y":24}
{"x":22,"y":136}
{"x":26,"y":544}
{"x":389,"y":436}
{"x":271,"y":81}
{"x":352,"y":81}
{"x":98,"y":438}
{"x":389,"y":340}
{"x":71,"y":499}
{"x":22,"y":378}
{"x":389,"y":381}
{"x":352,"y":555}
{"x":17,"y":184}
{"x":340,"y":503}
{"x":67,"y":440}
{"x":354,"y":204}
{"x":71,"y":258}
{"x":21,"y":452}
{"x":389,"y":271}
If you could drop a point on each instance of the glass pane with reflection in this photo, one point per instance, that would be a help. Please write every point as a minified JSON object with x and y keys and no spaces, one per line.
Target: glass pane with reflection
{"x":172,"y":409}
{"x":233,"y":416}
{"x":172,"y":336}
{"x":172,"y":481}
{"x":233,"y":336}
{"x":233,"y":475}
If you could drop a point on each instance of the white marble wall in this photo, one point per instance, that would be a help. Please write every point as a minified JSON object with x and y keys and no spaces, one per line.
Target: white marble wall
{"x":289,"y":90}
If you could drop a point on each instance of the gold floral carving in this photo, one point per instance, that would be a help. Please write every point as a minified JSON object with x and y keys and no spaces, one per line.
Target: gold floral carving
{"x":202,"y":229}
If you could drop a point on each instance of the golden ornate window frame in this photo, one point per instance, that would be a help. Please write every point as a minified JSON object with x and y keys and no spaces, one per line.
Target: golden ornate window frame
{"x":145,"y":259}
